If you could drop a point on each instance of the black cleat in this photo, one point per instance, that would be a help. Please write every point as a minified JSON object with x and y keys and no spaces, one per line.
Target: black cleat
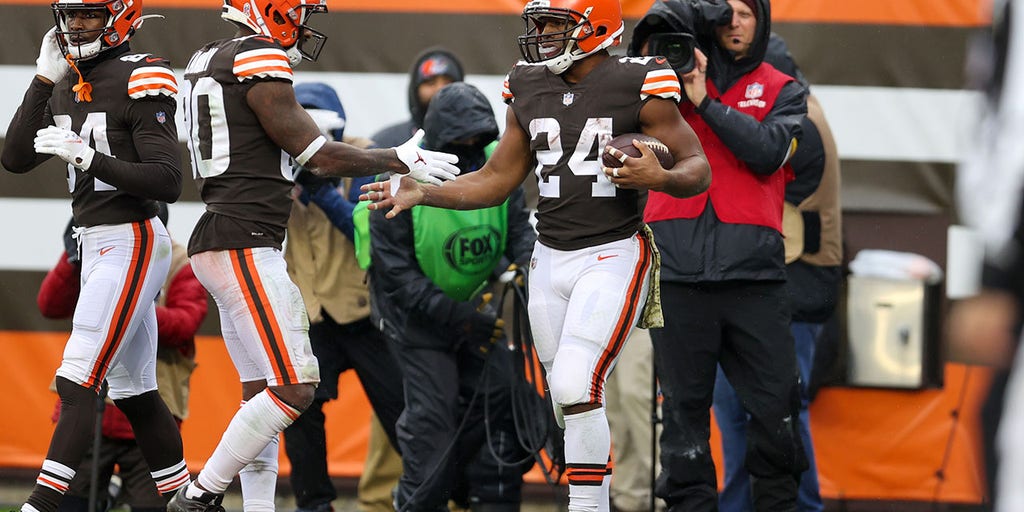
{"x":207,"y":502}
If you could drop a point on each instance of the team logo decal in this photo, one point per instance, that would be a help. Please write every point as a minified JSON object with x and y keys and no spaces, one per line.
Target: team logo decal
{"x":473,"y":249}
{"x":753,"y":94}
{"x":568,"y":98}
{"x":754,"y":91}
{"x":161,"y":117}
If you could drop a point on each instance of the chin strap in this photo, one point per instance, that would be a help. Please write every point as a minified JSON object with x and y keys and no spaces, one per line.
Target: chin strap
{"x":83,"y":89}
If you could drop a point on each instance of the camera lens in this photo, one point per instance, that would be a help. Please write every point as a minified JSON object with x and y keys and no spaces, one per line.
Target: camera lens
{"x":677,"y":50}
{"x":674,"y":54}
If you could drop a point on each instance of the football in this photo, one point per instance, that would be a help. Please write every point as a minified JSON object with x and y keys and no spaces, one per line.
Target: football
{"x":624,"y":143}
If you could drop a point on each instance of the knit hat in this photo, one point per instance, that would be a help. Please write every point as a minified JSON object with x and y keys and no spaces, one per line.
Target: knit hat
{"x":438,"y":64}
{"x":752,"y":4}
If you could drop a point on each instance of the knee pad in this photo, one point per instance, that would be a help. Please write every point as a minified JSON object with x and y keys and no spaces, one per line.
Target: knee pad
{"x":569,"y":379}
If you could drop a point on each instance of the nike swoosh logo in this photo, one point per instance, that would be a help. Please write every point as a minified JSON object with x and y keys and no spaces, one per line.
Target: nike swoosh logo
{"x":105,"y":250}
{"x":153,"y":59}
{"x":601,"y":257}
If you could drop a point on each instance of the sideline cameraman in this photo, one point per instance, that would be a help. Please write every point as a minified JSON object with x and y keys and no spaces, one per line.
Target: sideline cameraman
{"x":723,"y":273}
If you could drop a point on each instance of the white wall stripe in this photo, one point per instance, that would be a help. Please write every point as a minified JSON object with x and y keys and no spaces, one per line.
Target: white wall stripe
{"x":37,"y":244}
{"x":870,"y":123}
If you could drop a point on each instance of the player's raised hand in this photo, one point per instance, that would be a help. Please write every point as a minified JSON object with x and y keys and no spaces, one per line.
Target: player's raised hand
{"x":398,"y":193}
{"x":424,"y":165}
{"x":51,"y":64}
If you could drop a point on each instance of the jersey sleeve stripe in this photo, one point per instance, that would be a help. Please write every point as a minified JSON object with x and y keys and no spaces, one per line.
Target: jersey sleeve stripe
{"x":662,"y":83}
{"x":506,"y":92}
{"x":268,"y":62}
{"x":151,"y":81}
{"x":668,"y":93}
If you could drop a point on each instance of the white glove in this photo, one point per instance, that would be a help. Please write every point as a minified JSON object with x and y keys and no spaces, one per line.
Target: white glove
{"x":51,"y":64}
{"x":426,"y":166}
{"x":65,"y":144}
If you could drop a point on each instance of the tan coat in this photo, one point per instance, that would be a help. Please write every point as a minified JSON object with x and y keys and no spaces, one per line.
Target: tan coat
{"x":173,"y":369}
{"x":322,"y":263}
{"x":825,"y":200}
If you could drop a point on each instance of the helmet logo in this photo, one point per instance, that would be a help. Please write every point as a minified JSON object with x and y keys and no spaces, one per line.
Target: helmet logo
{"x":247,"y":9}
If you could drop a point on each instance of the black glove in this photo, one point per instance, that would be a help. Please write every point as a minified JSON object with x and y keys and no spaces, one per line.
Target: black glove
{"x":71,"y":244}
{"x":312,"y":183}
{"x":478,"y":326}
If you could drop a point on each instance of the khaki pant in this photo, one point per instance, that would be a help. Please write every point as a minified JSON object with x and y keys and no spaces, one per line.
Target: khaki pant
{"x":381,"y":470}
{"x":628,"y":402}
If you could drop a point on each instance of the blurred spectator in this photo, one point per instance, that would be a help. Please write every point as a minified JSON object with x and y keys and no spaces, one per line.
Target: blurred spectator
{"x":322,"y":262}
{"x":814,"y":254}
{"x":181,"y":307}
{"x":433,"y":69}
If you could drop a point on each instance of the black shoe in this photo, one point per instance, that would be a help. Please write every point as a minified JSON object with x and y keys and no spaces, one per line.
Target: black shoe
{"x":206,"y":502}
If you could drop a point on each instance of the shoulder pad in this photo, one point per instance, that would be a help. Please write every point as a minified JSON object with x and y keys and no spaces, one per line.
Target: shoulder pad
{"x":517,"y":70}
{"x":261,"y":57}
{"x":660,"y":80}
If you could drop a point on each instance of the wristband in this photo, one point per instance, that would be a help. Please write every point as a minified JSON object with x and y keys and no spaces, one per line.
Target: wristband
{"x":311,"y":150}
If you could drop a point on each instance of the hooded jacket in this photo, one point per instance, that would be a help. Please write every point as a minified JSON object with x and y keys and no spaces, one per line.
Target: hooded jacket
{"x":398,"y":133}
{"x":408,"y":305}
{"x":704,"y":248}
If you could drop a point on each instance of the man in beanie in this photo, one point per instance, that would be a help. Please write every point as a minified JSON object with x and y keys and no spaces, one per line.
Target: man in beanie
{"x":433,"y":69}
{"x":723,"y":276}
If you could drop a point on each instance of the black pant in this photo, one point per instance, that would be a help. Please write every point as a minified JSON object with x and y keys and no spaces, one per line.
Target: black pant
{"x":744,"y":326}
{"x":439,"y":386}
{"x":357,"y":346}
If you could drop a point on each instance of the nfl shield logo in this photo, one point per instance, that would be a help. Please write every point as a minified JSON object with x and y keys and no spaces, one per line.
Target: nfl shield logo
{"x":161,"y":117}
{"x":754,"y":90}
{"x":568,"y":98}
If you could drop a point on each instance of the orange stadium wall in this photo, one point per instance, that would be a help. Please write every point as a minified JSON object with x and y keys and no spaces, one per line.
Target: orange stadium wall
{"x":870,"y":444}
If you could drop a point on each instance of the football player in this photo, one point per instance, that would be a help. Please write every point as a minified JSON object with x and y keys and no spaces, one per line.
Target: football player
{"x":245,"y":129}
{"x":112,"y":121}
{"x":593,"y":263}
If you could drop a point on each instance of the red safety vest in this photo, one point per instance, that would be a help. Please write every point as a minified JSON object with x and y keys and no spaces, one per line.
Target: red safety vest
{"x":739,"y":195}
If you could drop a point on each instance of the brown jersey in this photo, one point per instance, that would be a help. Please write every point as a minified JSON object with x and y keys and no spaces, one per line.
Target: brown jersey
{"x":245,"y":178}
{"x":131,"y":118}
{"x":568,"y":125}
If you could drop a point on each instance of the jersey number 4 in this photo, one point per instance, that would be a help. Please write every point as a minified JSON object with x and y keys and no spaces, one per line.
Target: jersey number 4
{"x":94,"y":130}
{"x":597,"y":131}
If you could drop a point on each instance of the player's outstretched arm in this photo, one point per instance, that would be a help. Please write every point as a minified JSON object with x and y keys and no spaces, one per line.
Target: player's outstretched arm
{"x":488,"y":186}
{"x":293,"y":130}
{"x":691,"y":174}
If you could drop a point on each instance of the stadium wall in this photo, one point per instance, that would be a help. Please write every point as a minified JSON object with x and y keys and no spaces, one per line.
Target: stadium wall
{"x":892,"y":79}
